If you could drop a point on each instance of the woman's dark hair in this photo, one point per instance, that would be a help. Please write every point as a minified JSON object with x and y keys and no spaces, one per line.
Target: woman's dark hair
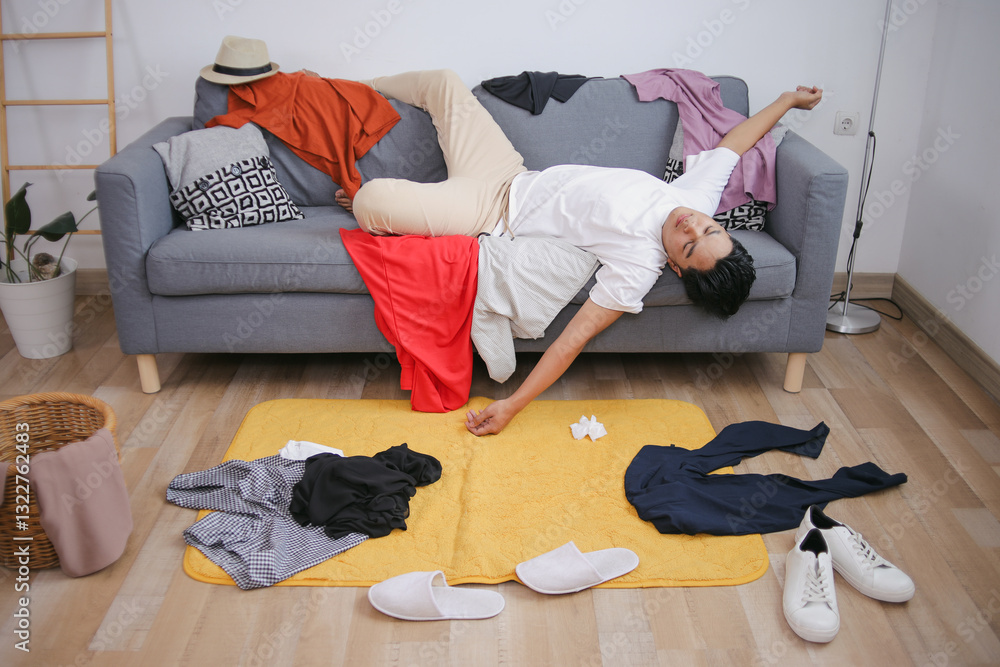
{"x":722,"y":289}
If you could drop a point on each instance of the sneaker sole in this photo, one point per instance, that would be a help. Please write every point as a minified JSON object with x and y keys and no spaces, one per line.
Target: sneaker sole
{"x":903,"y":596}
{"x":813,"y":635}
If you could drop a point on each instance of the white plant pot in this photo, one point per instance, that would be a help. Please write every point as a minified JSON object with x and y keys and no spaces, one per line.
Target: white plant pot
{"x":40,"y":314}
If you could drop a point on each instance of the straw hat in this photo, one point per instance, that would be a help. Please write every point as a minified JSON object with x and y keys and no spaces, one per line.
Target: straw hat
{"x":240,"y":60}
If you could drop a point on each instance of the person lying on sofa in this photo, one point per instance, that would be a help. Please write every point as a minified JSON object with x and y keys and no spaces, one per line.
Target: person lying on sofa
{"x":633,"y":222}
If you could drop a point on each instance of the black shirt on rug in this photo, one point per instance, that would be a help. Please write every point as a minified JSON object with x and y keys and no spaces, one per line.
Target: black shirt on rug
{"x":363,"y":494}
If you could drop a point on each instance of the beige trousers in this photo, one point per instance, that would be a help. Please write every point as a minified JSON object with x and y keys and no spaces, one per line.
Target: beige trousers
{"x":480,"y":159}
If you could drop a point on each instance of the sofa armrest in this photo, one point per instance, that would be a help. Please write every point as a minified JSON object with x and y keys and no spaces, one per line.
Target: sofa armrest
{"x":133,"y":198}
{"x":807,"y":219}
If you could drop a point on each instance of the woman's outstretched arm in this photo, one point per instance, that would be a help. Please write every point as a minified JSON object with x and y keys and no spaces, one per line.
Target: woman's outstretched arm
{"x":743,"y":137}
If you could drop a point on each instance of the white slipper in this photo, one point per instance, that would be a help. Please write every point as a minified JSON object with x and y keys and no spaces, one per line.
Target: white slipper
{"x":567,"y":570}
{"x":426,"y":596}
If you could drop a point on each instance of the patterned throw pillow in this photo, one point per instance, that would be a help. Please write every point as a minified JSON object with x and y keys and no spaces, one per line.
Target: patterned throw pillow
{"x":239,"y":195}
{"x":749,"y":216}
{"x":222,"y":177}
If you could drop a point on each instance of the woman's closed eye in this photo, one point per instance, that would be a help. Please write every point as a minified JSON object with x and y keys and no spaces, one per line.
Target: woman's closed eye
{"x":690,"y":245}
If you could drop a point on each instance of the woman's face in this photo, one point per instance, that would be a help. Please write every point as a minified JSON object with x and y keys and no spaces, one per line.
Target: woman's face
{"x":694,"y":240}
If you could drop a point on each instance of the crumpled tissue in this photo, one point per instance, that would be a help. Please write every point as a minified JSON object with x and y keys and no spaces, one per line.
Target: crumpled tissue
{"x":591,"y":427}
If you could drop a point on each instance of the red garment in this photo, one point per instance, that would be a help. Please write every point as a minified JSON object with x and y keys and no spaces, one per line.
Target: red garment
{"x":425,"y":291}
{"x":329,"y":123}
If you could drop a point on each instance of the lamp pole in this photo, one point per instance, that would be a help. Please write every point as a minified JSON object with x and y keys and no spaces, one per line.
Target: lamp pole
{"x":843,"y":316}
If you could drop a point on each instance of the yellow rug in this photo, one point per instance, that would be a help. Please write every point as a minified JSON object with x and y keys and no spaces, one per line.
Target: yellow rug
{"x":504,"y":499}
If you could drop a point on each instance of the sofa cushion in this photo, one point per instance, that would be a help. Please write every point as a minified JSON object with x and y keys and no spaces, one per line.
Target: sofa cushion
{"x":775,"y":268}
{"x":410,"y":150}
{"x":297,"y":256}
{"x":308,"y":256}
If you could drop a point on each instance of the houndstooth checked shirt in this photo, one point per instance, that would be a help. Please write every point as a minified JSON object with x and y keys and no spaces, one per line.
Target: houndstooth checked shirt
{"x":251,"y":535}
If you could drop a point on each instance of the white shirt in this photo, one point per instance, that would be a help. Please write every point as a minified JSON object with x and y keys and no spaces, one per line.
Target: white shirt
{"x":618,"y":215}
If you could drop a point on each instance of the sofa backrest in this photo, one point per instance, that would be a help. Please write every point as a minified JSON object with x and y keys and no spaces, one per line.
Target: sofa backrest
{"x":410,"y":150}
{"x":602,"y":124}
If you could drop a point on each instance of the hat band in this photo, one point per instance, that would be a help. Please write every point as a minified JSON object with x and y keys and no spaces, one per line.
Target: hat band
{"x":240,"y":71}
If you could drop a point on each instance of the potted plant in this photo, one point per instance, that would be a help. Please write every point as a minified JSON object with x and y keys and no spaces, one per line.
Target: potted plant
{"x":37,"y":291}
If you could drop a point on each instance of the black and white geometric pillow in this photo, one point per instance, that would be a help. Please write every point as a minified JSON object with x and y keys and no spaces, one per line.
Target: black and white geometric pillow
{"x":241,"y":194}
{"x":749,"y":216}
{"x":674,"y":169}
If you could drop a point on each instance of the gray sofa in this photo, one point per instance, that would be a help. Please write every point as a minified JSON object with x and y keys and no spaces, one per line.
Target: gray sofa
{"x":290,"y":287}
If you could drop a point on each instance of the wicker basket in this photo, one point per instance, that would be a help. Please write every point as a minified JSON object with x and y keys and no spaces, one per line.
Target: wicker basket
{"x":54,"y":420}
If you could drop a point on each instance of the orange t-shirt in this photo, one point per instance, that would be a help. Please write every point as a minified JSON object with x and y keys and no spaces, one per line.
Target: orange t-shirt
{"x":329,"y":123}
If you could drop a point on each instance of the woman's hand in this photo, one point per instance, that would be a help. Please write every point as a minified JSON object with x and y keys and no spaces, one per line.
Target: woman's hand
{"x":492,"y":419}
{"x":589,"y":321}
{"x":804,"y":98}
{"x":744,"y":136}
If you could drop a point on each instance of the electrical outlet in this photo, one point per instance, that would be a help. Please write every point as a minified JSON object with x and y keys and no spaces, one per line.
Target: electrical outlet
{"x":847,"y":122}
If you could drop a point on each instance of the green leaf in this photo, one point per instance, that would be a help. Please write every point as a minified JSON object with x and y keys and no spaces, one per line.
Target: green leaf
{"x":17,"y":214}
{"x":92,"y":196}
{"x":58,"y":228}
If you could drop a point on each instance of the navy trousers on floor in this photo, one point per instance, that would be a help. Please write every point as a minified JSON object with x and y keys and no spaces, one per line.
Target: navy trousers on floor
{"x":671,"y":486}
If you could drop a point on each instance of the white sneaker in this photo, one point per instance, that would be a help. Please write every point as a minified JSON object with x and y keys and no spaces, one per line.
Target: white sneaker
{"x":857,"y":561}
{"x":809,"y":599}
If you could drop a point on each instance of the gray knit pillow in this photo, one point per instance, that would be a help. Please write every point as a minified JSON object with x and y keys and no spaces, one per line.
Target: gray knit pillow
{"x":222,"y":177}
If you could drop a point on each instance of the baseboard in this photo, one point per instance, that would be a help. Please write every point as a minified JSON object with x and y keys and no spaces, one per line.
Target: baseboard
{"x":962,"y":349}
{"x":865,"y":285}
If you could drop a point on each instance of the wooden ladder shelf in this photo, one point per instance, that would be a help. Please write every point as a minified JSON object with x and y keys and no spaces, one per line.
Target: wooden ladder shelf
{"x":106,"y":35}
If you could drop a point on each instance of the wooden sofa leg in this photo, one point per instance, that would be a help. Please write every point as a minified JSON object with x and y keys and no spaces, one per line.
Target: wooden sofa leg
{"x":149,"y":375}
{"x":795,"y":369}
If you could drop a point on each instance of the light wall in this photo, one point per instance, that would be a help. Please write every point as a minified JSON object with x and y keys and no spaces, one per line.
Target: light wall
{"x":161,"y":45}
{"x":951,"y":249}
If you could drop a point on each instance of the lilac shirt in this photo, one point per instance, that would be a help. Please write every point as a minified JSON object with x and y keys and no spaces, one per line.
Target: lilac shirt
{"x":705,"y":121}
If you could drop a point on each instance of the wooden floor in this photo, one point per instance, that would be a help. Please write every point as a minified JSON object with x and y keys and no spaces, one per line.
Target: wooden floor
{"x":891,"y":397}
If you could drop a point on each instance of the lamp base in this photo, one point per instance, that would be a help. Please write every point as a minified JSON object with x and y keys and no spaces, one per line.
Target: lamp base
{"x":850,"y":318}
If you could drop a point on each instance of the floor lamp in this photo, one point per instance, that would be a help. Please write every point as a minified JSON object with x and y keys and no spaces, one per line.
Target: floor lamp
{"x":843,"y":316}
